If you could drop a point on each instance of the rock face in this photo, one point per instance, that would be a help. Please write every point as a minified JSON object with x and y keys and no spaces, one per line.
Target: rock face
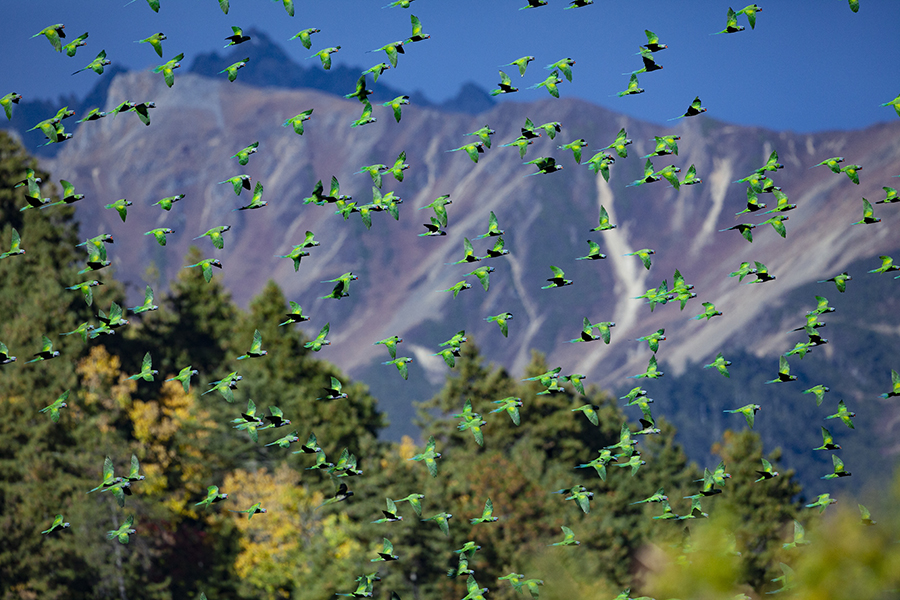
{"x":199,"y":123}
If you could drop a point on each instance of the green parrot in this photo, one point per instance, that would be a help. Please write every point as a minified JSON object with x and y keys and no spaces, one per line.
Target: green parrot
{"x":486,"y":514}
{"x":286,"y":441}
{"x":147,"y":372}
{"x":564,"y":65}
{"x":665,"y":145}
{"x":865,"y":515}
{"x":58,"y":521}
{"x":632,"y":88}
{"x":212,"y":496}
{"x":606,"y":457}
{"x":257,"y":201}
{"x":744,"y":270}
{"x":550,"y":84}
{"x":649,"y":63}
{"x":387,"y":548}
{"x":604,"y":224}
{"x":819,"y":391}
{"x":297,"y":121}
{"x":255,"y":350}
{"x":511,"y":405}
{"x":124,"y":532}
{"x":690,"y":177}
{"x":316,"y":344}
{"x":82,"y":330}
{"x":750,"y":10}
{"x":377,"y":70}
{"x":844,"y":415}
{"x":53,"y":34}
{"x":593,"y":252}
{"x":558,"y":279}
{"x":501,"y":320}
{"x":720,"y":364}
{"x":215,"y":235}
{"x":6,"y":358}
{"x":7,"y":101}
{"x":868,"y":214}
{"x":97,"y":65}
{"x":749,"y":411}
{"x":46,"y":352}
{"x":483,"y":275}
{"x":731,"y":25}
{"x":296,"y":254}
{"x":154,"y":40}
{"x":831,"y":163}
{"x":303,"y":36}
{"x":644,"y":255}
{"x":57,"y":404}
{"x":653,"y":341}
{"x":400,"y":363}
{"x":851,"y":172}
{"x":240,"y":182}
{"x":520,"y":63}
{"x":166,"y":203}
{"x":694,"y":109}
{"x":288,"y":6}
{"x":458,"y":287}
{"x":821,"y":501}
{"x":891,"y":196}
{"x":168,"y":68}
{"x":839,"y":470}
{"x":582,"y":497}
{"x":505,"y":86}
{"x":768,"y":471}
{"x":784,"y":372}
{"x":652,"y":372}
{"x":237,"y":37}
{"x":659,"y":496}
{"x":325,"y":56}
{"x":160,"y":234}
{"x":568,"y":538}
{"x":85,"y":289}
{"x":121,"y":207}
{"x":334,"y":392}
{"x":206,"y":265}
{"x":225,"y":386}
{"x":254,"y":509}
{"x":366,"y":117}
{"x":895,"y":386}
{"x":415,"y":500}
{"x":442,"y":519}
{"x":391,"y":344}
{"x":233,"y":69}
{"x":745,"y":229}
{"x":473,"y":149}
{"x":184,"y":376}
{"x":417,"y":35}
{"x":887,"y":264}
{"x":430,"y":458}
{"x":243,"y":155}
{"x":295,"y":316}
{"x":392,"y":50}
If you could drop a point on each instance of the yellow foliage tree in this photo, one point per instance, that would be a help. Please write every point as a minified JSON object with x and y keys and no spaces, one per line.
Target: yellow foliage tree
{"x":294,"y":548}
{"x":172,"y":431}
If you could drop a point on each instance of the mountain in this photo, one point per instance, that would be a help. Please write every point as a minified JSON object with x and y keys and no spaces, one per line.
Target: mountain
{"x":199,"y":123}
{"x":272,"y":67}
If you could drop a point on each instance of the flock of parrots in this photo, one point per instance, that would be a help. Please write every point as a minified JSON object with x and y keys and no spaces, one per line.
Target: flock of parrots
{"x":624,"y":454}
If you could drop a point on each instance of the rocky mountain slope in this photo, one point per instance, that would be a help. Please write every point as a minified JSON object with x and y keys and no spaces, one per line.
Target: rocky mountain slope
{"x":200,"y":123}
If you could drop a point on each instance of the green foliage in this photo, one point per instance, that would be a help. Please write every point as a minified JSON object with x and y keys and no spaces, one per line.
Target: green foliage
{"x":761,"y":513}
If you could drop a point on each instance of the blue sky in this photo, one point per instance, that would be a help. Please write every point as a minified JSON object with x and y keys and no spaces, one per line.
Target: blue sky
{"x":808,"y":65}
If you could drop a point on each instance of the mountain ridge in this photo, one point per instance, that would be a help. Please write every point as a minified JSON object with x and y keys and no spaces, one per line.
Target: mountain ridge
{"x":547,"y":219}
